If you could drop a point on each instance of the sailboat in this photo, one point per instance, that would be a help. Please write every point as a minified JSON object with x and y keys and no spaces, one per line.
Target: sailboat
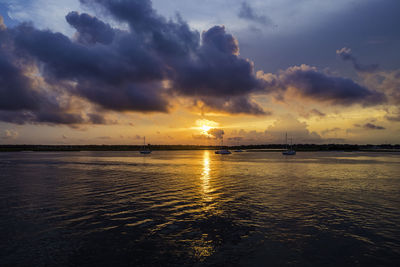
{"x":145,"y":150}
{"x":222,"y":151}
{"x":289,"y":152}
{"x":238,"y":149}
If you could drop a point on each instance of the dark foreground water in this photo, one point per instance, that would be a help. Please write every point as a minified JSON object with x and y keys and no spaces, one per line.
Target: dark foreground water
{"x":198,"y":208}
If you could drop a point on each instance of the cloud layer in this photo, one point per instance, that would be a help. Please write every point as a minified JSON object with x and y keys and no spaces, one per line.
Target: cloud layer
{"x":307,"y":82}
{"x":121,"y":70}
{"x":48,"y":77}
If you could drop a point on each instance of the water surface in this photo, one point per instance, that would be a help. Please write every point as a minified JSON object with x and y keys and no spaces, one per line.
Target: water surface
{"x":195,"y":208}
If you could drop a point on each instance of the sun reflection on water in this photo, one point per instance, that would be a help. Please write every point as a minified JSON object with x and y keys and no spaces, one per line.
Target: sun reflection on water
{"x":205,"y":177}
{"x":204,"y":247}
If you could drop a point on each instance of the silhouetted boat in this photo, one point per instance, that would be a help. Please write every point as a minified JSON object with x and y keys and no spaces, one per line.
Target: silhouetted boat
{"x":222,"y":151}
{"x":145,"y":150}
{"x":289,"y":151}
{"x":238,"y":150}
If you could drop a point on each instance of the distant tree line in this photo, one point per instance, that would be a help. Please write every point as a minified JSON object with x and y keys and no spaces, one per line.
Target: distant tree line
{"x":298,"y":147}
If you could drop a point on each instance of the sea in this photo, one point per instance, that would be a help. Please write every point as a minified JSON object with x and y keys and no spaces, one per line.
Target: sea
{"x":196,"y":208}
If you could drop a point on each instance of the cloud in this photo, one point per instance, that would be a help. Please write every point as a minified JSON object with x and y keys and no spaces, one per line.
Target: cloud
{"x":15,"y":93}
{"x":331,"y":130}
{"x":275,"y":133}
{"x":387,"y":82}
{"x":90,"y":30}
{"x":143,"y":67}
{"x":308,"y":82}
{"x":104,"y":137}
{"x":370,"y":126}
{"x":248,"y":13}
{"x":2,"y":25}
{"x":232,"y":105}
{"x":311,"y":113}
{"x":236,"y":138}
{"x":295,"y":129}
{"x":216,"y":69}
{"x":346,"y":55}
{"x":136,"y":69}
{"x":216,"y":133}
{"x":24,"y":97}
{"x":213,"y":133}
{"x":316,"y":112}
{"x":393,"y":116}
{"x":9,"y":134}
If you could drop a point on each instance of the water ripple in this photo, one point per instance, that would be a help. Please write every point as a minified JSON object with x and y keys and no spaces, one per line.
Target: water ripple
{"x":197,"y":208}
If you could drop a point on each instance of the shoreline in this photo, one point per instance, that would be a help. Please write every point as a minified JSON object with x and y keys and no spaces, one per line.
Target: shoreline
{"x":249,"y":148}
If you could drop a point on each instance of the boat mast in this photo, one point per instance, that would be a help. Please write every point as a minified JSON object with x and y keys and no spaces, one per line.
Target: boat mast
{"x":286,"y":142}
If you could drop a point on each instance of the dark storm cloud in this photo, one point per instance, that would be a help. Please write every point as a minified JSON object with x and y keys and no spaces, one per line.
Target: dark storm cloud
{"x":142,"y":97}
{"x":138,"y":13}
{"x":216,"y":69}
{"x":51,"y":116}
{"x":15,"y":93}
{"x":123,"y":70}
{"x":48,"y":117}
{"x":90,"y":30}
{"x":164,"y":36}
{"x":210,"y":68}
{"x":310,"y":83}
{"x":234,"y":105}
{"x":346,"y":55}
{"x":120,"y":63}
{"x":20,"y":100}
{"x":142,"y":68}
{"x":248,"y":13}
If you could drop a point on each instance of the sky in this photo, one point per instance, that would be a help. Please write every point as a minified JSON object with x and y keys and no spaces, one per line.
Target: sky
{"x":194,"y":72}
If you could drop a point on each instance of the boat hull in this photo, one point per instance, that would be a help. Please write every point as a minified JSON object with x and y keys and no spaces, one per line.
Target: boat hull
{"x":289,"y":152}
{"x":223,"y":152}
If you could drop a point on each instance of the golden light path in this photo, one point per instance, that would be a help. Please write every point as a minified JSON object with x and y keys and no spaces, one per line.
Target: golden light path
{"x":204,"y":247}
{"x":205,"y":176}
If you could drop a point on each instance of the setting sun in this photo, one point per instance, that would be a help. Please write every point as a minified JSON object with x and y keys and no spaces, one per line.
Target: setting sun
{"x":205,"y":128}
{"x":205,"y":125}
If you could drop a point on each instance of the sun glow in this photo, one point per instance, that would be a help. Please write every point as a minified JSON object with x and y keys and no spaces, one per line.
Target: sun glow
{"x":205,"y":128}
{"x":205,"y":125}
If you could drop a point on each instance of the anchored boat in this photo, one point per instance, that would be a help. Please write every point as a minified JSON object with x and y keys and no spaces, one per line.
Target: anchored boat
{"x":289,"y":150}
{"x":146,"y":149}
